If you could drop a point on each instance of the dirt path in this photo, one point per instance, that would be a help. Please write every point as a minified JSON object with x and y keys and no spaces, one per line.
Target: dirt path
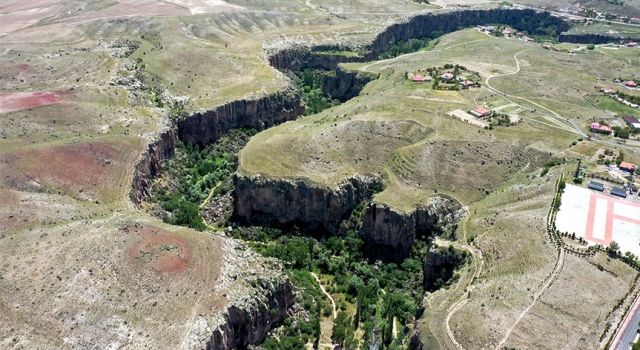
{"x":324,"y":291}
{"x":550,"y":279}
{"x":555,"y":117}
{"x":462,"y":300}
{"x":206,"y":200}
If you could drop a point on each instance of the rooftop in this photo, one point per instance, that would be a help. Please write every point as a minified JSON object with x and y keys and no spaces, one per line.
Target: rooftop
{"x":627,"y":165}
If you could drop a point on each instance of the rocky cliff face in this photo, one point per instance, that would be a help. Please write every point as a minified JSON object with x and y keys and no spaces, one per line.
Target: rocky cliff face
{"x":149,"y":165}
{"x":205,"y":128}
{"x":250,"y":326}
{"x":440,"y":265}
{"x":259,"y":297}
{"x":415,"y":343}
{"x":298,"y":58}
{"x":424,"y":25}
{"x":390,"y":234}
{"x":343,"y":85}
{"x":285,"y":203}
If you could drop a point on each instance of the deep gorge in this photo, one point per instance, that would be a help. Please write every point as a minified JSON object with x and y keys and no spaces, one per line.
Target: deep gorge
{"x":288,"y":203}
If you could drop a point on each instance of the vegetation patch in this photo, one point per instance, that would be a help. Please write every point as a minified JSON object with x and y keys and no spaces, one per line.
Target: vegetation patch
{"x":195,"y":175}
{"x":374,"y":293}
{"x":309,"y":83}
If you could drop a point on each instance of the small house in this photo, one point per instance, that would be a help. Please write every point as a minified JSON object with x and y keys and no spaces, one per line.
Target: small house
{"x":609,"y":91}
{"x":480,"y":112}
{"x":467,"y":84}
{"x":632,"y":122}
{"x":447,"y":76}
{"x":619,"y":191}
{"x":418,"y":78}
{"x":602,"y":129}
{"x":632,"y":44}
{"x":631,"y":84}
{"x":628,"y":167}
{"x":598,"y":186}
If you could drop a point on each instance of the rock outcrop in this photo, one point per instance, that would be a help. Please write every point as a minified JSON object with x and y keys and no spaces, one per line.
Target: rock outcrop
{"x":534,"y":22}
{"x":206,"y":127}
{"x":298,"y":58}
{"x":259,"y":295}
{"x":286,"y":203}
{"x":250,"y":326}
{"x":390,"y":233}
{"x":440,"y":265}
{"x":149,"y":165}
{"x":415,"y":343}
{"x":342,"y":85}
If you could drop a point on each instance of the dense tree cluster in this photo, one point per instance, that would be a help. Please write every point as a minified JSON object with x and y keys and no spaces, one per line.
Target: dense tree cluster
{"x":314,"y":99}
{"x":194,"y":173}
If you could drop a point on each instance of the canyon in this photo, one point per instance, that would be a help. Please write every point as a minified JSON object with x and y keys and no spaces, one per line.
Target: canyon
{"x":258,"y":200}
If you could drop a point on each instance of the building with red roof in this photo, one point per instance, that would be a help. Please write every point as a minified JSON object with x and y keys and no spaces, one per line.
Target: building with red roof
{"x":481,"y":112}
{"x":418,"y":78}
{"x":447,"y":76}
{"x":626,"y":166}
{"x":631,"y":84}
{"x":602,"y":129}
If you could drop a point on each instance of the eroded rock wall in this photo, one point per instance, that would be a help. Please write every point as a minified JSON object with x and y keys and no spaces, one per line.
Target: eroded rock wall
{"x":390,"y":233}
{"x":288,"y":202}
{"x":447,"y":22}
{"x":206,"y":127}
{"x":149,"y":165}
{"x":249,"y":326}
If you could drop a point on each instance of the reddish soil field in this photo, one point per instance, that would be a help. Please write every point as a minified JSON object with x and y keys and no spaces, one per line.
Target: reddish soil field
{"x":26,"y":100}
{"x":83,"y":170}
{"x":23,"y":67}
{"x":160,"y":250}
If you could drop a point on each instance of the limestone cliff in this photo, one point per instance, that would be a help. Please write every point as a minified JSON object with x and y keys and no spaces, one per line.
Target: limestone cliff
{"x":149,"y":165}
{"x":250,"y":325}
{"x":440,"y":265}
{"x":204,"y":128}
{"x":424,"y":25}
{"x":285,"y":202}
{"x":390,"y":233}
{"x":259,"y":296}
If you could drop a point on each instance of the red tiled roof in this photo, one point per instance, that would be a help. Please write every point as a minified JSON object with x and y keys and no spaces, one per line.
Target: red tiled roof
{"x":630,"y":83}
{"x":418,"y":77}
{"x":482,"y":110}
{"x":627,"y":166}
{"x":599,"y":127}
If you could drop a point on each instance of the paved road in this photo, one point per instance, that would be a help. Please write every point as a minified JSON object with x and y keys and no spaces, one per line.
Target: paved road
{"x":629,"y":329}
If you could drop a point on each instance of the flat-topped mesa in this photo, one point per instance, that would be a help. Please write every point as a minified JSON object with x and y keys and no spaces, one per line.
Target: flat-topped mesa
{"x":390,"y":233}
{"x":287,"y":203}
